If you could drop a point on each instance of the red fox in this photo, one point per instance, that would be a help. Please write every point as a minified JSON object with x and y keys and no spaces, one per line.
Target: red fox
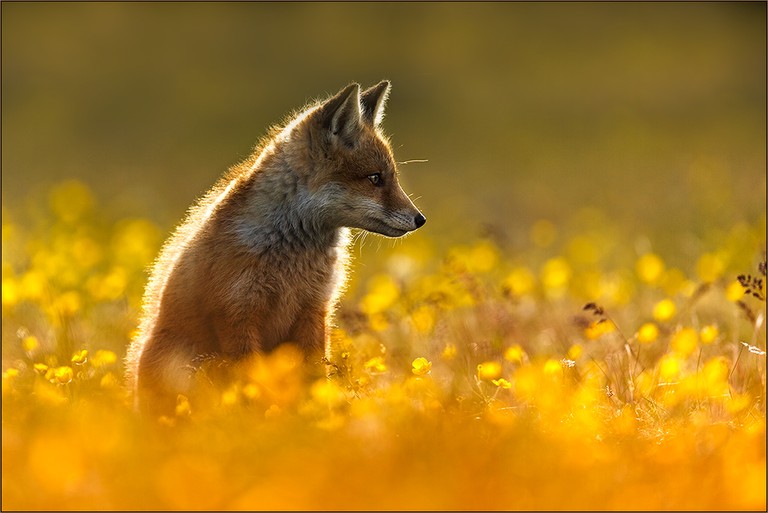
{"x":262,"y":258}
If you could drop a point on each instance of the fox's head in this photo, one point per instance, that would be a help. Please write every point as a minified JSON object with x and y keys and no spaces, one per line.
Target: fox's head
{"x":355,"y":175}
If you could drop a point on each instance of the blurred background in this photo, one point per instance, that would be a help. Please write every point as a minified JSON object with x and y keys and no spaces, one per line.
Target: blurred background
{"x":651,"y":114}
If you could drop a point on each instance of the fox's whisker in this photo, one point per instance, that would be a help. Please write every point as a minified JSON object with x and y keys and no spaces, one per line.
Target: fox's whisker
{"x":361,"y":236}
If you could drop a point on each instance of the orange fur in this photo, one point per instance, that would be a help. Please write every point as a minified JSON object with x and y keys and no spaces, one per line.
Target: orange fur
{"x":262,"y":258}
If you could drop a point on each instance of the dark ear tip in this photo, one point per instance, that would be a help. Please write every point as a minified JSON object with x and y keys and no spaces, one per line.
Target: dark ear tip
{"x":379,"y":88}
{"x":348,"y":91}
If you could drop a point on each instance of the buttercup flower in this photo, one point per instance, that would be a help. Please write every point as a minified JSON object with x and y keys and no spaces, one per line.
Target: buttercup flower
{"x":421,"y":366}
{"x":80,"y":357}
{"x":647,"y":333}
{"x":502,"y":383}
{"x":489,"y":370}
{"x":664,"y":310}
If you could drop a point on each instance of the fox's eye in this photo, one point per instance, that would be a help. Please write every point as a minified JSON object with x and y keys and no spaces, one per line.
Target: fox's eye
{"x":375,"y":178}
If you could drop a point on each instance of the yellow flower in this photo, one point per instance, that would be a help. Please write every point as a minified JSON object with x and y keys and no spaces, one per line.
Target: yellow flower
{"x":514,"y":354}
{"x":9,"y":376}
{"x":230,"y":396}
{"x":183,"y":407}
{"x":33,"y":285}
{"x":734,"y":291}
{"x":583,"y":250}
{"x":489,"y":370}
{"x":449,"y":352}
{"x":62,"y":375}
{"x":30,"y":343}
{"x":378,"y":322}
{"x":737,"y":403}
{"x":502,"y":383}
{"x":80,"y":357}
{"x":674,"y":281}
{"x":376,"y":364}
{"x":647,"y":333}
{"x":715,"y":374}
{"x":421,"y":366}
{"x":40,"y":367}
{"x":575,"y":351}
{"x":166,"y":421}
{"x":669,"y":367}
{"x":110,"y":286}
{"x":86,"y":251}
{"x":552,"y":367}
{"x":383,"y":291}
{"x":685,"y":341}
{"x":10,"y":373}
{"x":649,"y":267}
{"x":664,"y":310}
{"x":597,"y":329}
{"x":10,"y":291}
{"x":423,"y":319}
{"x":109,"y":380}
{"x":709,"y":333}
{"x":555,"y":275}
{"x":520,"y":281}
{"x":135,"y":242}
{"x":252,"y":391}
{"x":327,"y":392}
{"x":67,"y":303}
{"x":710,"y":266}
{"x":482,"y":257}
{"x":103,"y":357}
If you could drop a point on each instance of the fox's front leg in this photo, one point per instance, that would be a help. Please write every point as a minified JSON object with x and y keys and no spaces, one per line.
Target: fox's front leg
{"x":163,"y":372}
{"x":238,"y":339}
{"x":310,"y":332}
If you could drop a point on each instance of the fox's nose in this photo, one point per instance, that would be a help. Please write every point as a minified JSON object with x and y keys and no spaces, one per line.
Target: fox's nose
{"x":420,"y":220}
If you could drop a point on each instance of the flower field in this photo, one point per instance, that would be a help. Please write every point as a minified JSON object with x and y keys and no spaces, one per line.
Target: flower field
{"x":580,"y":371}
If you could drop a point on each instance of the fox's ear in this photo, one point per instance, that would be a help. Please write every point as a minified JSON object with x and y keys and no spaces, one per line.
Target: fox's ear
{"x":373,"y":101}
{"x":341,"y":117}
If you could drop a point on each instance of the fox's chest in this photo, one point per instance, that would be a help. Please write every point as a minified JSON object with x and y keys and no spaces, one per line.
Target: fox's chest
{"x":284,"y":284}
{"x":290,"y":293}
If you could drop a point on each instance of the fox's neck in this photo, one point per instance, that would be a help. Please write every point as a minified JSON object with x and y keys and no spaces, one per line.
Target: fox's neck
{"x":278,"y":213}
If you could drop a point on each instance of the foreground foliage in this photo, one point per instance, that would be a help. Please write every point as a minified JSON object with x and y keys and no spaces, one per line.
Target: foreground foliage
{"x":580,"y":372}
